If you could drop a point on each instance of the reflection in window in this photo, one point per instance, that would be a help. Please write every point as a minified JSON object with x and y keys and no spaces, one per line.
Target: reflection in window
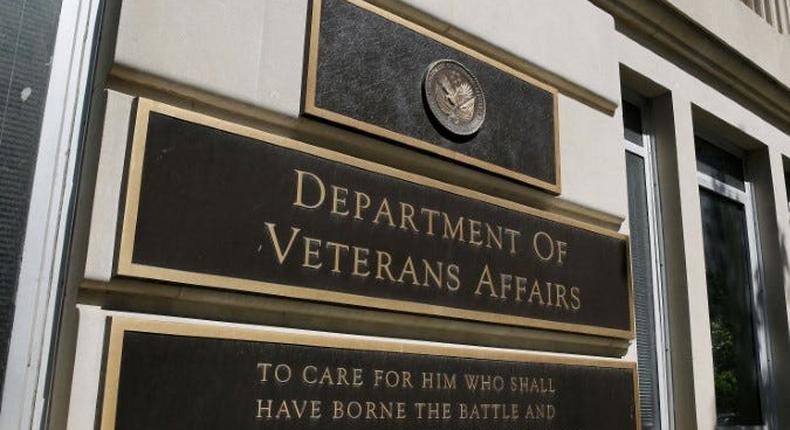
{"x":731,"y":310}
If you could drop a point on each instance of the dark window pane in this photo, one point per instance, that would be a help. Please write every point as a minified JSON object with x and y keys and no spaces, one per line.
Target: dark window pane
{"x":787,"y":185}
{"x":719,"y":164}
{"x":632,"y":123}
{"x":731,"y":315}
{"x":641,"y":270}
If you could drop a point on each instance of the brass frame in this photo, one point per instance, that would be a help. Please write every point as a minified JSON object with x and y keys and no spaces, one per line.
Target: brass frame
{"x":312,"y":109}
{"x":120,"y":325}
{"x":127,"y":267}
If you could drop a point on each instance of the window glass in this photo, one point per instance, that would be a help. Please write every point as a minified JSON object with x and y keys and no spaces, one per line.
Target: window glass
{"x":719,"y":164}
{"x":632,"y":123}
{"x":731,"y":310}
{"x":642,"y":270}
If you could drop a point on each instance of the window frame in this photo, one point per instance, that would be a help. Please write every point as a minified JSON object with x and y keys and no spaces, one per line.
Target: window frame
{"x":657,"y":256}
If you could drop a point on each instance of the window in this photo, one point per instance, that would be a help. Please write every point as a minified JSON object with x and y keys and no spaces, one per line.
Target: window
{"x":646,"y":257}
{"x":733,"y":283}
{"x":787,"y":184}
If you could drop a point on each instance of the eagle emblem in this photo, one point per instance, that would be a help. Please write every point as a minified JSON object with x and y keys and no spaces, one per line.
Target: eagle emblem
{"x":454,"y":97}
{"x":458,"y":101}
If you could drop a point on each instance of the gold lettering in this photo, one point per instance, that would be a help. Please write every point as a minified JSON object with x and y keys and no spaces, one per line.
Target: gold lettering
{"x":512,"y":235}
{"x":576,"y":302}
{"x":496,"y":237}
{"x":337,"y":410}
{"x":337,"y":248}
{"x":475,"y":233}
{"x":356,"y":377}
{"x":408,"y":269}
{"x":392,"y":378}
{"x":505,"y":282}
{"x":450,"y":231}
{"x":299,"y":201}
{"x":312,"y":370}
{"x":548,"y":294}
{"x":310,"y":252}
{"x":561,"y":296}
{"x":363,"y":202}
{"x":338,"y":200}
{"x":326,"y":377}
{"x":283,"y":411}
{"x":430,"y":273}
{"x":485,"y":280}
{"x":431,"y":214}
{"x":438,"y":381}
{"x":264,"y":368}
{"x":360,"y":261}
{"x":436,"y":411}
{"x":299,"y":407}
{"x":384,"y":210}
{"x":282,"y":372}
{"x":264,"y":411}
{"x":562,"y":251}
{"x":281,"y":255}
{"x":368,"y":410}
{"x":383,"y":266}
{"x":521,"y":287}
{"x":536,"y":292}
{"x":546,"y":251}
{"x":453,"y":277}
{"x":406,"y":215}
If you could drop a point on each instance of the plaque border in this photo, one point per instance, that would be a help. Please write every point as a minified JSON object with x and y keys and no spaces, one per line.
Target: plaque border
{"x":119,"y":325}
{"x":311,"y":108}
{"x":126,"y":266}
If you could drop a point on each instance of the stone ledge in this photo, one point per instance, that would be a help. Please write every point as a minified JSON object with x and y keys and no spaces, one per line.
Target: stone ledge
{"x":662,"y":27}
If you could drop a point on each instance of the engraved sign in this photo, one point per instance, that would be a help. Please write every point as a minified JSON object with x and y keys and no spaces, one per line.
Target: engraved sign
{"x":186,"y":376}
{"x":217,"y":204}
{"x":366,"y":69}
{"x":454,"y":97}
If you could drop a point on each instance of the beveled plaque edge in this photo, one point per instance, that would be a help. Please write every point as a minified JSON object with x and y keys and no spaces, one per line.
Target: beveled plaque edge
{"x":119,"y":325}
{"x":311,"y":108}
{"x":127,"y":267}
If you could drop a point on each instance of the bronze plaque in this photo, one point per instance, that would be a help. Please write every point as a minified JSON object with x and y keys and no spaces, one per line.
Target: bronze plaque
{"x":367,"y":70}
{"x":216,"y":204}
{"x":188,"y":376}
